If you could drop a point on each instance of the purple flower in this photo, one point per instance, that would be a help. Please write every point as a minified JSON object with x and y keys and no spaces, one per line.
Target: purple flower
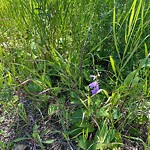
{"x":94,"y":87}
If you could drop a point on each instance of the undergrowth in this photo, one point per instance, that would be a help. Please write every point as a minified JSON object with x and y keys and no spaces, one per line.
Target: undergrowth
{"x":51,"y":52}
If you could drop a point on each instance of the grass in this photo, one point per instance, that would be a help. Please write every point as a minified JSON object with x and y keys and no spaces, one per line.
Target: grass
{"x":48,"y":51}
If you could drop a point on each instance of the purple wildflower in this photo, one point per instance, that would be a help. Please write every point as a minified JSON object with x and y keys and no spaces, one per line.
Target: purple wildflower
{"x":94,"y":87}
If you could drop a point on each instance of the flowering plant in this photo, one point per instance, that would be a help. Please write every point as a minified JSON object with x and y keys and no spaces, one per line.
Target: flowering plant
{"x":94,"y":87}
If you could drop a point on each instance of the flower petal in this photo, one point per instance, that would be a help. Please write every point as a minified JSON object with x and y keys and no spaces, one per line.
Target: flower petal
{"x":95,"y":90}
{"x":93,"y":84}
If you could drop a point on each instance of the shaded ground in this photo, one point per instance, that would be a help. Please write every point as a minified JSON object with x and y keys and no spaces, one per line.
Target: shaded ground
{"x":12,"y":126}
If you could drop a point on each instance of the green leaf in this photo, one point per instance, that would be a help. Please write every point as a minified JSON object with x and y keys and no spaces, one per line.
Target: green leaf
{"x":130,"y":77}
{"x":74,"y":98}
{"x":106,"y":93}
{"x":102,"y":132}
{"x":146,"y":50}
{"x":57,"y":90}
{"x":112,"y":64}
{"x":75,"y":131}
{"x":102,"y":113}
{"x":134,"y":132}
{"x":52,"y":109}
{"x":77,"y":116}
{"x":1,"y":132}
{"x":48,"y":141}
{"x":114,"y":98}
{"x":22,"y":112}
{"x":2,"y":145}
{"x":116,"y":113}
{"x":110,"y":135}
{"x":34,"y":88}
{"x":9,"y":78}
{"x":145,"y":63}
{"x":2,"y":119}
{"x":82,"y":143}
{"x":118,"y":137}
{"x":21,"y":139}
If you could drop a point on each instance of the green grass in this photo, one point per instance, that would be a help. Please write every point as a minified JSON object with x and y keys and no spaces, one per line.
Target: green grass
{"x":49,"y":49}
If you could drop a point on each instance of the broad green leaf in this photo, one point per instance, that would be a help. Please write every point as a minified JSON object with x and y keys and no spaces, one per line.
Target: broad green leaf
{"x":102,"y":113}
{"x":77,"y":116}
{"x":34,"y":88}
